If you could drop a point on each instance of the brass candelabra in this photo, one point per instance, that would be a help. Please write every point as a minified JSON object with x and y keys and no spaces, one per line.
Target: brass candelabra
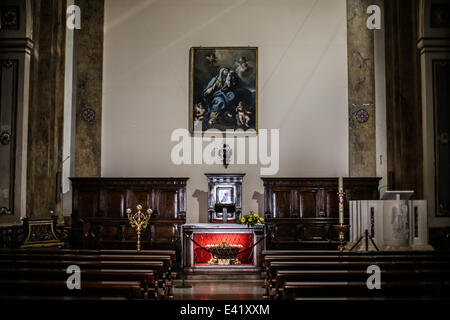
{"x":139,"y":221}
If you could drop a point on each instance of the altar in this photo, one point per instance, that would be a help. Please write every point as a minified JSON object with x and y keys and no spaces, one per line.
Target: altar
{"x":222,"y":251}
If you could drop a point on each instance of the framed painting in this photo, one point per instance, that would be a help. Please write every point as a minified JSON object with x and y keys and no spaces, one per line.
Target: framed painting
{"x":224,"y":195}
{"x":223,"y":89}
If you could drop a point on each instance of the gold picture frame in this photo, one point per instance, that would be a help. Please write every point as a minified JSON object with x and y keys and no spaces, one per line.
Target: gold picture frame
{"x":223,"y":90}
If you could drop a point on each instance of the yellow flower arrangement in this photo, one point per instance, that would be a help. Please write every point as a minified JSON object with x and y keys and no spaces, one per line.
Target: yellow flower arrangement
{"x":252,"y":219}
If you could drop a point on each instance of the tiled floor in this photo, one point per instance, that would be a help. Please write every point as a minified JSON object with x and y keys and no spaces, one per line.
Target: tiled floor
{"x":220,"y":290}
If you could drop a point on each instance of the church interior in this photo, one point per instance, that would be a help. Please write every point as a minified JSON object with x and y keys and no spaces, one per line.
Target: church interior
{"x":148,"y":150}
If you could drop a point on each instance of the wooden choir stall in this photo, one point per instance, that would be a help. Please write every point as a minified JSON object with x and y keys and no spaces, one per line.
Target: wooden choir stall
{"x":300,"y":212}
{"x":99,"y":219}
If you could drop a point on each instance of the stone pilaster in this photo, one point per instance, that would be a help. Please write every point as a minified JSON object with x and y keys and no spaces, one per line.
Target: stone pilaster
{"x":46,"y":108}
{"x":361,"y":91}
{"x":89,"y":75}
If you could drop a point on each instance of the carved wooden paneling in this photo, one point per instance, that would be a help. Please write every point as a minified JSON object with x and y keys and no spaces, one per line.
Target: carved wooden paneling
{"x":286,"y":232}
{"x":308,"y":204}
{"x":167,"y":203}
{"x":115,"y":201}
{"x":403,"y":97}
{"x":116,"y":233}
{"x":137,"y":197}
{"x":302,"y":211}
{"x":8,"y":110}
{"x":441,"y":81}
{"x":315,"y":232}
{"x":332,"y":203}
{"x":281,"y":201}
{"x":99,"y":206}
{"x":88,"y":204}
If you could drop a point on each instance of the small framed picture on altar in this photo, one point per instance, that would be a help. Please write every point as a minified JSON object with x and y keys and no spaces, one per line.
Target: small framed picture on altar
{"x":224,"y":195}
{"x":223,"y":89}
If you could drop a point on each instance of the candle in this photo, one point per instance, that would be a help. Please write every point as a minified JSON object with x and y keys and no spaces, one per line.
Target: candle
{"x":341,"y":200}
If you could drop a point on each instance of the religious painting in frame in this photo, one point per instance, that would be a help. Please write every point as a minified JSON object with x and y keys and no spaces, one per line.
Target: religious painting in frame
{"x":223,"y":89}
{"x":224,"y":195}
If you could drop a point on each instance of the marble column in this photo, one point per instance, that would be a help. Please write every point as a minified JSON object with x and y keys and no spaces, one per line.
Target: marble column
{"x":361,"y":91}
{"x":89,"y":72}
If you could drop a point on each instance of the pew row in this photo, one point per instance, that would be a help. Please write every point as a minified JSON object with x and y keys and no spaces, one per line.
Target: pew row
{"x":150,"y":269}
{"x":411,"y":269}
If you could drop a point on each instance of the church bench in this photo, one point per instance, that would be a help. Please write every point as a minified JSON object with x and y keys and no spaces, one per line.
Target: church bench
{"x":406,"y":275}
{"x":111,"y":255}
{"x":144,"y":277}
{"x":170,"y":253}
{"x":75,"y":257}
{"x":355,"y":253}
{"x":411,"y":289}
{"x":354,"y":265}
{"x":158,"y":267}
{"x":381,"y":257}
{"x":272,"y":269}
{"x":268,"y":259}
{"x":127,"y":289}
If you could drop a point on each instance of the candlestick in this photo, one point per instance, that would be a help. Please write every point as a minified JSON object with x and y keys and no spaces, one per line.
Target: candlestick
{"x":139,"y":221}
{"x":342,"y":229}
{"x":341,"y":195}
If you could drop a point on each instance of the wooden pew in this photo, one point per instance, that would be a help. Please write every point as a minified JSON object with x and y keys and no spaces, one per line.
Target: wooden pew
{"x":284,"y":276}
{"x":338,"y":253}
{"x":81,"y":257}
{"x":359,"y":290}
{"x":127,"y":289}
{"x":316,"y":255}
{"x":166,"y":256}
{"x":171,"y":253}
{"x":136,"y":255}
{"x":274,"y":267}
{"x":409,"y":257}
{"x":158,"y":268}
{"x":89,"y":260}
{"x":355,"y":258}
{"x":144,"y":277}
{"x":353,"y":265}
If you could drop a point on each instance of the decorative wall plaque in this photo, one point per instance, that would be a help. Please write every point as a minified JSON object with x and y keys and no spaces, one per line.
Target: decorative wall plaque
{"x":362,"y":116}
{"x":88,"y":115}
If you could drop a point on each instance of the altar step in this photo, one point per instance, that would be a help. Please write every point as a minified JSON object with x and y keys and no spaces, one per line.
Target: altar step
{"x":220,"y":290}
{"x":216,"y":272}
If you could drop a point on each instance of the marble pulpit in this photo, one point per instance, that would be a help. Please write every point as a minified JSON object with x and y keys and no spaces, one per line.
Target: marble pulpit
{"x":392,"y":224}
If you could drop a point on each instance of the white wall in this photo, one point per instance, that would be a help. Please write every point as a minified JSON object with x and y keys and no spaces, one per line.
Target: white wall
{"x":302,"y":85}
